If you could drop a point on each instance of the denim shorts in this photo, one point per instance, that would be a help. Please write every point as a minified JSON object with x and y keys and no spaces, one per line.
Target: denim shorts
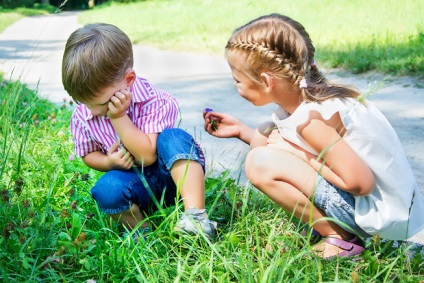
{"x":337,"y":204}
{"x":117,"y":190}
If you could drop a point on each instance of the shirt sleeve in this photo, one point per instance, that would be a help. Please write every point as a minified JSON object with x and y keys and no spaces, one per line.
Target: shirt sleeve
{"x":156,"y":114}
{"x":83,"y":143}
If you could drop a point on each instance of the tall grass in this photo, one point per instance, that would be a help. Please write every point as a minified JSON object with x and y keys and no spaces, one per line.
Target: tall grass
{"x":359,"y":35}
{"x":52,"y":230}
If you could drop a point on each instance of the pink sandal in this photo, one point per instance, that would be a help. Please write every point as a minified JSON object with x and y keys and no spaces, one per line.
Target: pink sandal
{"x":350,"y":248}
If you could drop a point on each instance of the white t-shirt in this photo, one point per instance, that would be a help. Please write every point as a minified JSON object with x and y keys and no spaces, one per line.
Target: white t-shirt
{"x":395,"y":208}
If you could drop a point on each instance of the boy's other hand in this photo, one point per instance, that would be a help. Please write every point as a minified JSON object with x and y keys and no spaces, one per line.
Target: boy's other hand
{"x":119,"y":158}
{"x":119,"y":103}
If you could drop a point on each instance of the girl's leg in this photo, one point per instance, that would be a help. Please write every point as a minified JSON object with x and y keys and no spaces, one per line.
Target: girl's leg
{"x":290,"y":182}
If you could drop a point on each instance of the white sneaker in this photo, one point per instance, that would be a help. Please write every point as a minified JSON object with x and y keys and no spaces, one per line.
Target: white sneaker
{"x":194,"y":220}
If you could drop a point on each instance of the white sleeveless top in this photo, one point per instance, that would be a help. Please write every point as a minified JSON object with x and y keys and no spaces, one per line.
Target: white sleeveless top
{"x":395,"y":208}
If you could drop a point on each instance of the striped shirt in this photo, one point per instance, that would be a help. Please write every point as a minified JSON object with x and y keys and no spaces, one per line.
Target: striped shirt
{"x":152,"y":110}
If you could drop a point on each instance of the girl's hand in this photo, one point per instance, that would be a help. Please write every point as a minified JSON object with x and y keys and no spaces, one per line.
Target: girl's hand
{"x":119,"y":158}
{"x":277,"y":141}
{"x":119,"y":104}
{"x":221,"y":125}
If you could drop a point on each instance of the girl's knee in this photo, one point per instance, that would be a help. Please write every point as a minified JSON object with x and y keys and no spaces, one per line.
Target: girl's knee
{"x":257,"y":165}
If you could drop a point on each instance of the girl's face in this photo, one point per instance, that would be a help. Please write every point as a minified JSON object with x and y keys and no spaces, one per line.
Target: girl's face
{"x":246,"y":87}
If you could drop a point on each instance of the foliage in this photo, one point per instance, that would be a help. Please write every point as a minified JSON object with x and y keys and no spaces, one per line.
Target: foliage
{"x":17,"y":3}
{"x":355,"y":35}
{"x":9,"y":16}
{"x":52,"y":230}
{"x":127,"y":1}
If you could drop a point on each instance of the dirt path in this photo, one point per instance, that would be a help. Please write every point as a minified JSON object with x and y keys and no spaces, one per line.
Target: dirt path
{"x":32,"y":48}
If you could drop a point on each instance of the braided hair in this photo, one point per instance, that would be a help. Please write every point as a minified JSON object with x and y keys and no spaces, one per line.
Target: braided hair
{"x":281,"y":46}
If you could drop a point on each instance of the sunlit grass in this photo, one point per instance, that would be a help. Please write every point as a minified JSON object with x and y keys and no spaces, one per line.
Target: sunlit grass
{"x":52,"y":230}
{"x":359,"y":35}
{"x":9,"y":16}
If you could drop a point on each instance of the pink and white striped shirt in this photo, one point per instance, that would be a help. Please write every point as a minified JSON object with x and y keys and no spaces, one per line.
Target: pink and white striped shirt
{"x":152,"y":110}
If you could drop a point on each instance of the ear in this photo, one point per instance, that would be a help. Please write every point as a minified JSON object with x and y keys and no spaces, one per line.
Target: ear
{"x":268,"y":81}
{"x":130,"y":77}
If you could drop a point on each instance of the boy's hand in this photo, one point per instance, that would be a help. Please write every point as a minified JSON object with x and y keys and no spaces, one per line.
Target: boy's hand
{"x":119,"y":158}
{"x":119,"y":103}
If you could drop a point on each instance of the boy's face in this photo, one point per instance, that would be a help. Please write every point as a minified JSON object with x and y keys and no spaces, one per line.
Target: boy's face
{"x":99,"y":105}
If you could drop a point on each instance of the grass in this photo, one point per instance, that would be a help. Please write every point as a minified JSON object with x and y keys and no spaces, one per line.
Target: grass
{"x":358,"y":35}
{"x":52,"y":230}
{"x":9,"y":16}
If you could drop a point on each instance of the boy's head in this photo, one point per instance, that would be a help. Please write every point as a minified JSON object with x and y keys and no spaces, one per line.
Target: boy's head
{"x":96,"y":56}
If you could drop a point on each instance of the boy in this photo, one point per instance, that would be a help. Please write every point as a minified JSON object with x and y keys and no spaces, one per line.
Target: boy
{"x":123,"y":126}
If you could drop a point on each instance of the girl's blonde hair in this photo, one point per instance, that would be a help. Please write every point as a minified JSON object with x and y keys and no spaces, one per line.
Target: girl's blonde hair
{"x":95,"y":57}
{"x":281,"y":46}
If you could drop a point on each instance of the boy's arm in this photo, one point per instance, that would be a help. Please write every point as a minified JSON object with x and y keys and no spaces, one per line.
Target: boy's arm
{"x":114,"y":159}
{"x":141,"y":145}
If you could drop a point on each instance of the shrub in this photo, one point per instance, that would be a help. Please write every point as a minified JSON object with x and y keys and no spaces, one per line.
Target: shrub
{"x":10,"y":4}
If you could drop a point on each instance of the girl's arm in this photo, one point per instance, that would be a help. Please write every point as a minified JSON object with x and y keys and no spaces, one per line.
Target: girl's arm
{"x":337,"y":161}
{"x":222,"y":125}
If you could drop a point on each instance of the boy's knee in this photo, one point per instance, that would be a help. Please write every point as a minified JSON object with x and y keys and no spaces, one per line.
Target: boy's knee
{"x":169,"y":135}
{"x":110,"y":195}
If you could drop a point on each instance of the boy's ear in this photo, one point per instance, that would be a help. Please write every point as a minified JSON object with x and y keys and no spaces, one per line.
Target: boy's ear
{"x":268,"y":81}
{"x":130,"y":77}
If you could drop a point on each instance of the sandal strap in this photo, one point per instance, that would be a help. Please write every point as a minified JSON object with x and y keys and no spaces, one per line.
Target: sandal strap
{"x":345,"y":245}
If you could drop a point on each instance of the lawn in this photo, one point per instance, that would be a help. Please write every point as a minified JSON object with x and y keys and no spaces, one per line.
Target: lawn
{"x":358,"y":35}
{"x":52,"y":230}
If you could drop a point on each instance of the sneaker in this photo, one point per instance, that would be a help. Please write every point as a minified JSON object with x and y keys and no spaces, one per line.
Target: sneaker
{"x":194,"y":220}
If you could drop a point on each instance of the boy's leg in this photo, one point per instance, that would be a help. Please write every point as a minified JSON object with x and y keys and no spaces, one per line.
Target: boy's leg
{"x":120,"y":193}
{"x":188,"y":174}
{"x":130,"y":218}
{"x":180,"y":160}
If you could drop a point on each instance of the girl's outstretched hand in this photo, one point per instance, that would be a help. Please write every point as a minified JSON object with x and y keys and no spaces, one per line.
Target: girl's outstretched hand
{"x":221,"y":125}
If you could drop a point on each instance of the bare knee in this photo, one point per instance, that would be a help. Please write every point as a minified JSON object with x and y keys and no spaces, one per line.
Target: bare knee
{"x":258,"y":169}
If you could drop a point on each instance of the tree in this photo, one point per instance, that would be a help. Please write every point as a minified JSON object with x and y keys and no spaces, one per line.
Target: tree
{"x":46,"y":2}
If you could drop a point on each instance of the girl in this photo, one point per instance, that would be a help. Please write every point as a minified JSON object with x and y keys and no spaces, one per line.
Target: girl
{"x":328,"y":156}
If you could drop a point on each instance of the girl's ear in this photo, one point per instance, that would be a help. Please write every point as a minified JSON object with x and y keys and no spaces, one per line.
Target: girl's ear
{"x":130,"y":77}
{"x":268,"y":81}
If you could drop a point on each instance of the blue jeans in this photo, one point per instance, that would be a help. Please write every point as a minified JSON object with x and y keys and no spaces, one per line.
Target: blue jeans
{"x":117,"y":190}
{"x":337,"y":204}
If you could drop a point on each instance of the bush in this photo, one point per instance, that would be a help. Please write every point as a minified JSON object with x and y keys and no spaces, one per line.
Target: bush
{"x":127,"y":1}
{"x":10,"y":4}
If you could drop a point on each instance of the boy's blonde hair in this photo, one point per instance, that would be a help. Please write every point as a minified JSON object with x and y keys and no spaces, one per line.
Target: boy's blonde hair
{"x":281,"y":46}
{"x":96,"y":56}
